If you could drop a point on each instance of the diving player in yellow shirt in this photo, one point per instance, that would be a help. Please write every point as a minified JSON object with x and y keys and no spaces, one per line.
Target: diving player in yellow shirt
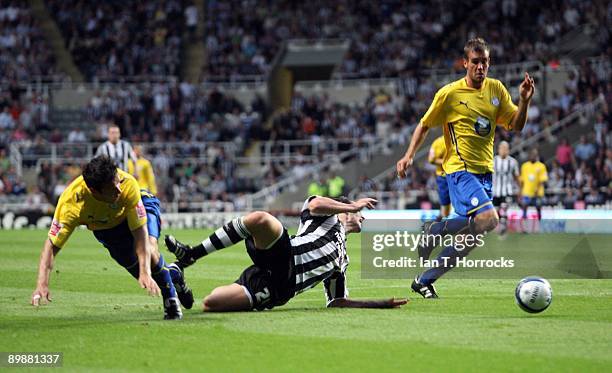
{"x":468,"y":110}
{"x":143,"y":171}
{"x":437,"y":151}
{"x":126,"y":221}
{"x":533,"y":177}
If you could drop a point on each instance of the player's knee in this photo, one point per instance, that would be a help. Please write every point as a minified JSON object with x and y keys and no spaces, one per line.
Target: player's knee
{"x":487,"y":221}
{"x":211,"y":303}
{"x":257,"y":218}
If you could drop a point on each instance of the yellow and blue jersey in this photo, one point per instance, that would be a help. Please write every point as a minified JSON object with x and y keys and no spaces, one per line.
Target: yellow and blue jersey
{"x":436,"y":151}
{"x":146,"y":177}
{"x":533,"y":177}
{"x":469,"y":117}
{"x":77,"y":206}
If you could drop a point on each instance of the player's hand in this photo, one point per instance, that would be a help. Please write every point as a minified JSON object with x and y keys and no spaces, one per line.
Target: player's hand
{"x":394,"y":302}
{"x":527,"y":88}
{"x":402,"y":165}
{"x":41,"y":293}
{"x":363,"y":203}
{"x":147,"y":282}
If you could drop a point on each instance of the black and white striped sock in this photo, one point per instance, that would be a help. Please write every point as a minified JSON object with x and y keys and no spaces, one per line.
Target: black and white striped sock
{"x":228,"y":235}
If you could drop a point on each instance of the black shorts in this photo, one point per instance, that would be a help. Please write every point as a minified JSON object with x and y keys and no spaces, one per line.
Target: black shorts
{"x":270,"y":281}
{"x":497,"y":201}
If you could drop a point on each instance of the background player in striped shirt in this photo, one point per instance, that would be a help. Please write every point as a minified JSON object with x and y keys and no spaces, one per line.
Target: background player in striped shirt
{"x":118,"y":150}
{"x":285,"y":266}
{"x":505,"y":177}
{"x":468,"y":109}
{"x":437,"y":151}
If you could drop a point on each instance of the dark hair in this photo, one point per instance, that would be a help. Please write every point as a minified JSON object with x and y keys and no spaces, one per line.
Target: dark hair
{"x":476,"y":45}
{"x":99,"y":172}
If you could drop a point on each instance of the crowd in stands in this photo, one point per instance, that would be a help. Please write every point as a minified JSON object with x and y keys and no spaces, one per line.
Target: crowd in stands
{"x":24,"y":50}
{"x":114,"y":39}
{"x":391,"y":37}
{"x":168,"y":112}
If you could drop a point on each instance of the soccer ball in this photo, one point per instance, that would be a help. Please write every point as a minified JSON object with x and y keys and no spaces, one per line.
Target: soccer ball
{"x":533,"y":294}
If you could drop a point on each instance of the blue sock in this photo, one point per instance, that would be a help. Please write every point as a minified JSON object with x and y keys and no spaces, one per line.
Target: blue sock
{"x":175,"y":273}
{"x":161,"y":275}
{"x":450,"y":226}
{"x":432,"y":274}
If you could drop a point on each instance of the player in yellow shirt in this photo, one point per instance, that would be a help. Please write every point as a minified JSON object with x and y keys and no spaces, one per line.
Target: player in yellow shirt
{"x":125,"y":220}
{"x":143,"y":171}
{"x":468,"y":109}
{"x":533,"y":177}
{"x":437,"y":151}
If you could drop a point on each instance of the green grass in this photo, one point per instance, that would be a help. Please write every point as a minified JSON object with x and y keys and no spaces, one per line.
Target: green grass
{"x":101,"y":320}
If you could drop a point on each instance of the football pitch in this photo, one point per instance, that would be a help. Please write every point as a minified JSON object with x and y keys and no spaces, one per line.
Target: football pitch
{"x":101,"y":320}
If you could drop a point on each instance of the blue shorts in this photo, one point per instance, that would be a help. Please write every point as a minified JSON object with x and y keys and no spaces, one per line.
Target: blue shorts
{"x":119,"y":240}
{"x":532,"y":201}
{"x":443,"y":191}
{"x":470,"y":193}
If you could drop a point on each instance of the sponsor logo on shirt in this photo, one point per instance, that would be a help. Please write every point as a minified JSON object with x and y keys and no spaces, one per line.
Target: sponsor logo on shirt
{"x":56,"y":226}
{"x":140,"y":210}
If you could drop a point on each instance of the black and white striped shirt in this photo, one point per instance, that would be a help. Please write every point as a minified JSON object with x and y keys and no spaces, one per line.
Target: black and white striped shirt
{"x":506,"y":171}
{"x":120,"y":153}
{"x":319,"y":252}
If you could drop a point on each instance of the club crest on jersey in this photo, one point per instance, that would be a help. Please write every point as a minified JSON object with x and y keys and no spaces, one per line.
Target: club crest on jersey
{"x":495,"y":101}
{"x":140,"y":210}
{"x":482,"y":126}
{"x":56,"y":226}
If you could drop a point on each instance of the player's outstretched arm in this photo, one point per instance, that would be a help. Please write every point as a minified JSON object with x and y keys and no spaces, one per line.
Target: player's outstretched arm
{"x":526,"y":91}
{"x":329,"y":206}
{"x":45,"y":265}
{"x":418,"y":136}
{"x":143,"y":252}
{"x":374,"y":303}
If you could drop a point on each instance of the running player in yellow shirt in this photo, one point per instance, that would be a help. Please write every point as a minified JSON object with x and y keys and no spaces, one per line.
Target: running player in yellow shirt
{"x":533,"y":177}
{"x":437,"y":151}
{"x":468,"y":110}
{"x":126,"y":221}
{"x":143,"y":172}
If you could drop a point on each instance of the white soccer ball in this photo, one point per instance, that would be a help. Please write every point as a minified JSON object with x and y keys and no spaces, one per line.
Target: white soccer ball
{"x":533,"y":294}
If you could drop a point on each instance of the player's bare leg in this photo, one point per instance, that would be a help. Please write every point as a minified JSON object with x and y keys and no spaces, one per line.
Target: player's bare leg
{"x":485,"y":221}
{"x":225,"y":298}
{"x":264,"y":228}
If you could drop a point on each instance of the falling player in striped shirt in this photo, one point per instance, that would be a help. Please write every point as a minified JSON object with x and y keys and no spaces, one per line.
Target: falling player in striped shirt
{"x":505,"y":177}
{"x":285,"y":266}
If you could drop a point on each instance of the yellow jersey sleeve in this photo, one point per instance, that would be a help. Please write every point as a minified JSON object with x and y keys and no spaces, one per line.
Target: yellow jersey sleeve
{"x":136,"y":213}
{"x":436,"y":114}
{"x":507,"y":109}
{"x":65,"y":220}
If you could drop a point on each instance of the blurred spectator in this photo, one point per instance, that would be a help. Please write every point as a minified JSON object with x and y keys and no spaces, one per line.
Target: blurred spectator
{"x":584,"y":150}
{"x":565,"y":154}
{"x":77,"y":135}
